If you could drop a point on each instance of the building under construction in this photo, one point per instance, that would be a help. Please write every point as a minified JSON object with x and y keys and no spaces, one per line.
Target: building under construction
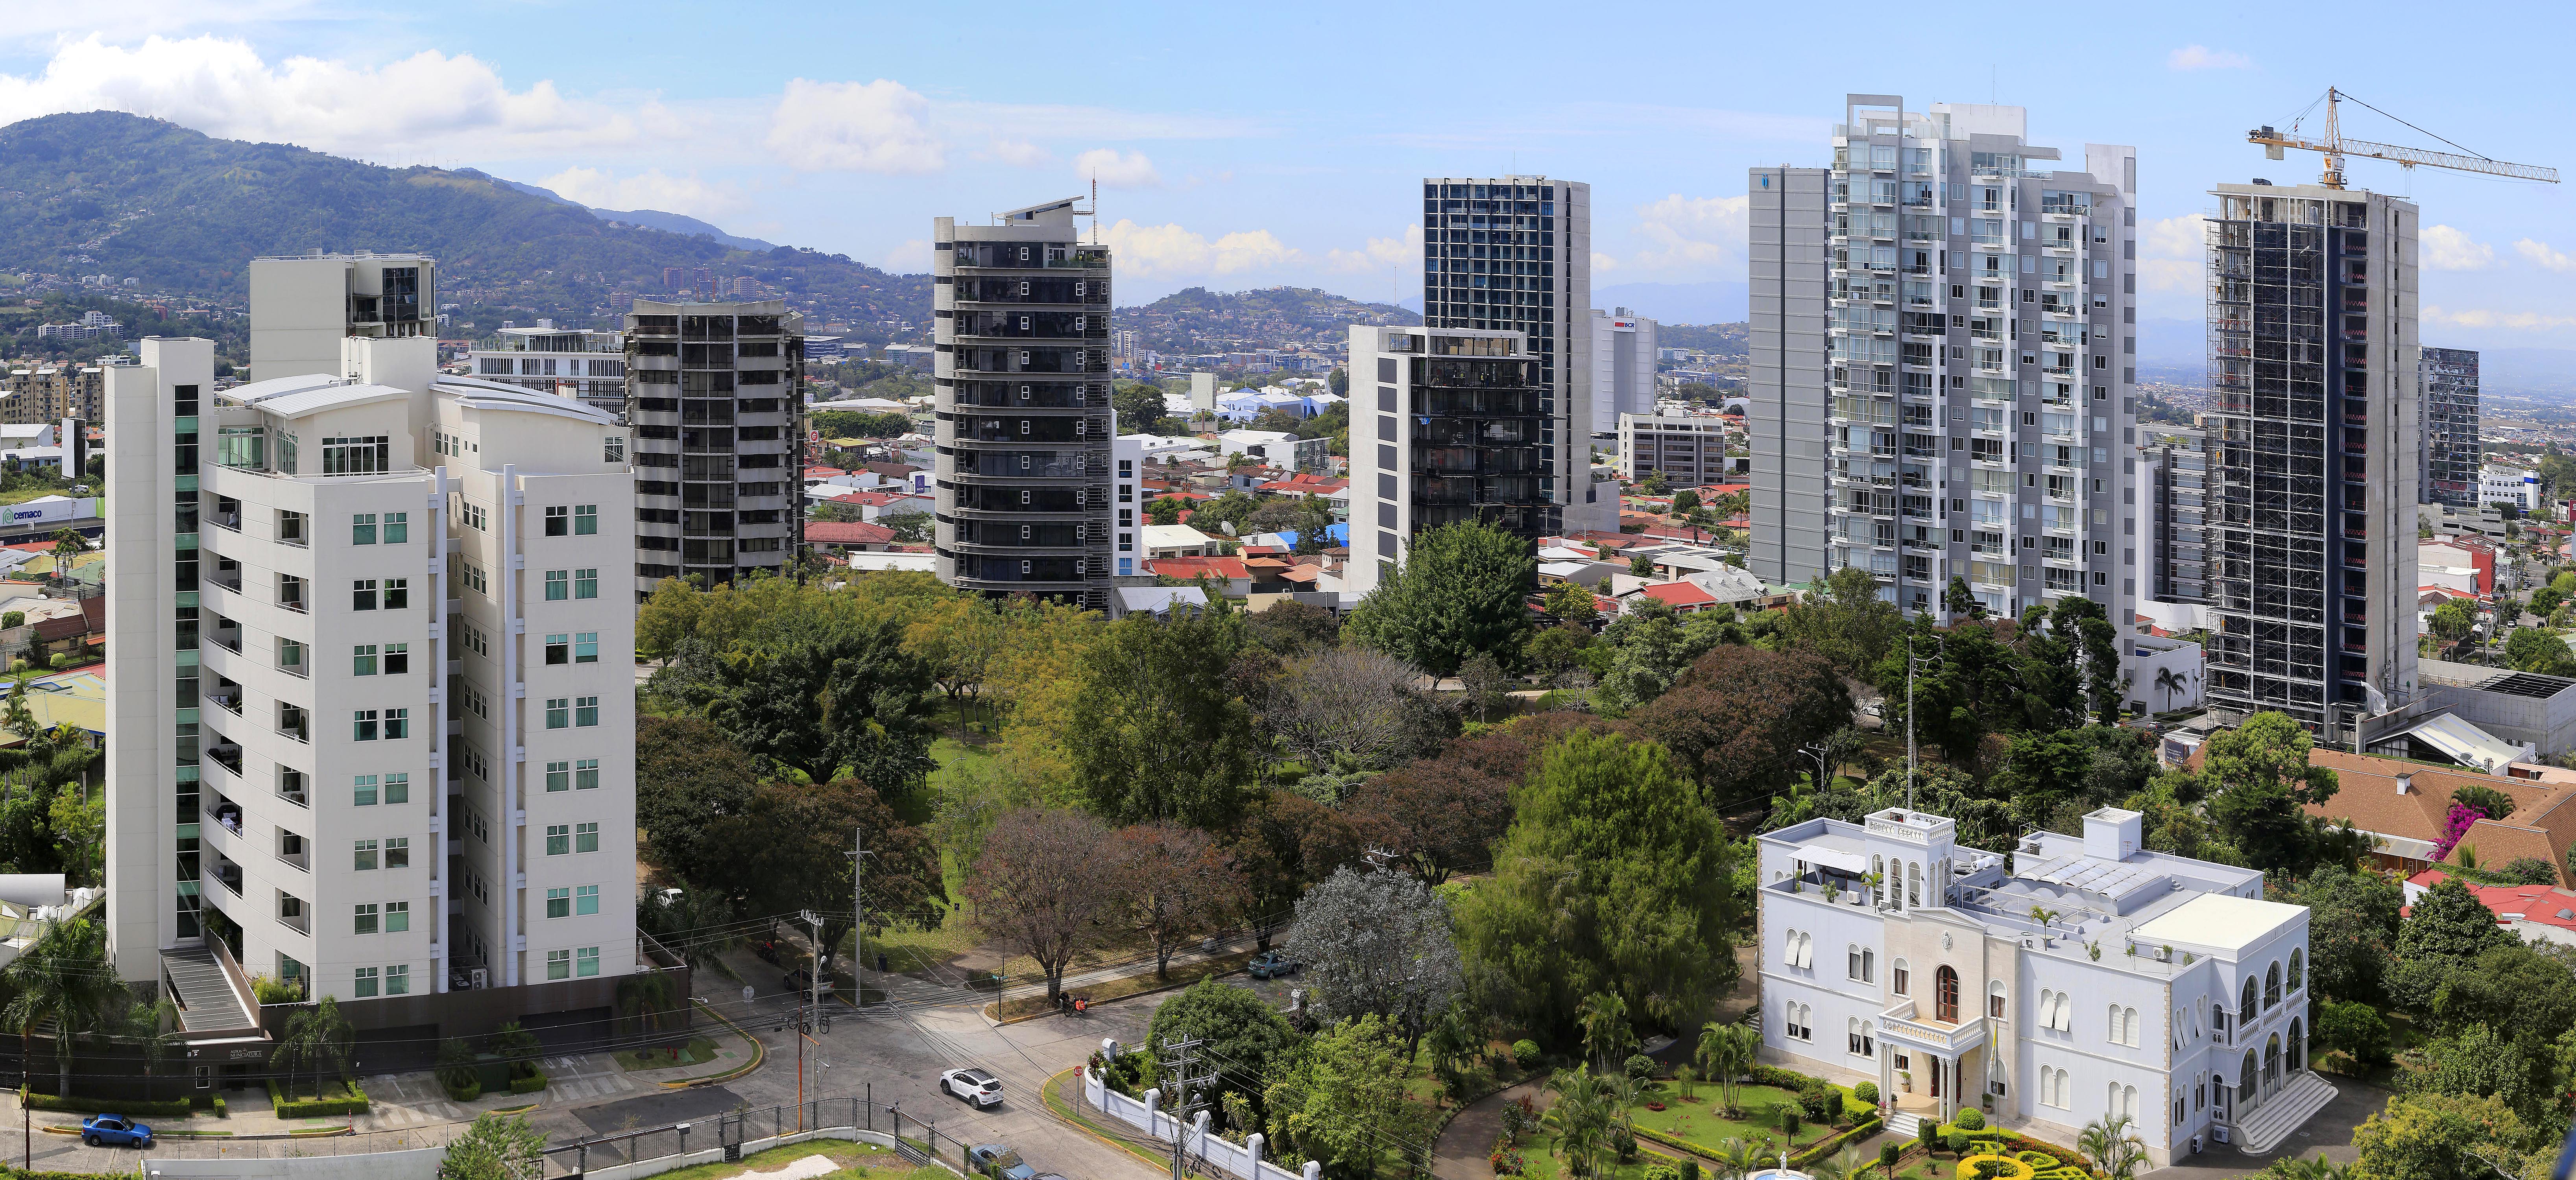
{"x":2451,"y":451}
{"x":2313,"y":465}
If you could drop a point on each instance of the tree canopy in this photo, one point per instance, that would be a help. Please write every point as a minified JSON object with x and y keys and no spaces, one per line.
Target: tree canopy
{"x":1461,"y":590}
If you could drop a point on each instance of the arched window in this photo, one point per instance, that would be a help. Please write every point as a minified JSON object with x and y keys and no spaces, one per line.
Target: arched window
{"x":2114,"y":1029}
{"x":2129,"y":1026}
{"x":1995,"y":998}
{"x":2272,"y":987}
{"x":2298,"y":1044}
{"x":2129,"y":1102}
{"x":1945,"y":998}
{"x":2111,"y":1105}
{"x":2246,"y":1010}
{"x":1806,"y":1022}
{"x":1851,"y":960}
{"x":1913,"y":884}
{"x":1807,"y":949}
{"x":1901,"y":980}
{"x":2298,"y":971}
{"x":1868,"y":965}
{"x":1878,"y":883}
{"x":2245,"y":1083}
{"x":2272,"y":1060}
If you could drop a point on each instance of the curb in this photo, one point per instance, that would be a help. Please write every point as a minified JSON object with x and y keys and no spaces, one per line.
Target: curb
{"x":759,"y":1055}
{"x":992,"y":1011}
{"x":228,"y":1137}
{"x":1047,"y":1098}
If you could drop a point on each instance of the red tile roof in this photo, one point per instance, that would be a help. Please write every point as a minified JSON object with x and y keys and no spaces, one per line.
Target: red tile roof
{"x":846,"y":532}
{"x":1679,"y":595}
{"x":1191,"y":568}
{"x":2534,"y":903}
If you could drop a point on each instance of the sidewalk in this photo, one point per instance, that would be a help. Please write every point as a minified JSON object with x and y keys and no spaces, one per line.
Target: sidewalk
{"x":1100,"y":975}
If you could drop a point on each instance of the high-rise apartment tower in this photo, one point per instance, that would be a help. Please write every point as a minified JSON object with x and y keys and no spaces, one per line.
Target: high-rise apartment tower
{"x":1623,"y":368}
{"x":715,"y":393}
{"x":2177,"y":480}
{"x":1445,"y":424}
{"x":1978,"y":323}
{"x":1786,"y":230}
{"x":1514,"y":254}
{"x":2448,"y":448}
{"x":2313,"y":474}
{"x":1025,"y":430}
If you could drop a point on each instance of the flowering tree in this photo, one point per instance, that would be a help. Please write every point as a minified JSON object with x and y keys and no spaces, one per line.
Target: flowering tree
{"x":2456,"y":824}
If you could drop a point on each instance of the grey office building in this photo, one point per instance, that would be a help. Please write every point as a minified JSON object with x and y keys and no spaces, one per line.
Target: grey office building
{"x":714,"y":400}
{"x":2448,"y":448}
{"x":1787,"y":228}
{"x":1025,"y":431}
{"x":2177,"y":463}
{"x":1514,"y":253}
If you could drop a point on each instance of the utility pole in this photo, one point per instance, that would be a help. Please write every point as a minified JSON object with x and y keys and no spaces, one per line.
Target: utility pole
{"x":805,"y":1009}
{"x":1909,"y":723}
{"x":1189,"y":1088}
{"x":859,"y":915}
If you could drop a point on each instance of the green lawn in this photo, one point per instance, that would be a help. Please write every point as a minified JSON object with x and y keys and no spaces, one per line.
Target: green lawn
{"x":1701,"y":1124}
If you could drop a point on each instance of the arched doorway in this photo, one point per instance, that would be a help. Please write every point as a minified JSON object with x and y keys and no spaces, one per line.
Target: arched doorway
{"x":1945,"y":995}
{"x":2298,"y":1044}
{"x":2272,"y":1065}
{"x":2246,"y":1096}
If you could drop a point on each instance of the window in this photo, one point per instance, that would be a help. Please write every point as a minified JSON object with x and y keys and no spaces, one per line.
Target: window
{"x":559,"y":648}
{"x":397,"y":593}
{"x":558,"y":839}
{"x":558,"y":522}
{"x":398,"y":852}
{"x":2272,"y":987}
{"x":1995,"y":999}
{"x":366,"y":919}
{"x":585,"y":583}
{"x":585,"y":519}
{"x":365,"y":724}
{"x":398,"y":788}
{"x":1856,"y":1038}
{"x":585,"y":774}
{"x":362,"y":660}
{"x":586,"y":900}
{"x":470,"y":514}
{"x":397,"y":917}
{"x":2298,"y":971}
{"x":362,"y":594}
{"x":2123,"y":1026}
{"x":397,"y":659}
{"x":558,"y":903}
{"x":585,"y":711}
{"x":585,"y":837}
{"x":1945,"y":995}
{"x":558,"y":776}
{"x":588,"y":958}
{"x":1797,"y":1027}
{"x":585,"y":647}
{"x":365,"y":985}
{"x":558,"y":712}
{"x":362,"y":529}
{"x":558,"y":964}
{"x":397,"y":724}
{"x":558,"y":585}
{"x":398,"y":979}
{"x":366,"y":856}
{"x":357,"y":455}
{"x":397,"y":529}
{"x":366,"y":791}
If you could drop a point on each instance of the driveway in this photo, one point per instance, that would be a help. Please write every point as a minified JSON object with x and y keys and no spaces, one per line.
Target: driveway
{"x":2330,"y":1133}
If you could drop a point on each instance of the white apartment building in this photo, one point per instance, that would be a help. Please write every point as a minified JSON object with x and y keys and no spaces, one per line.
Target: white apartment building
{"x":2157,"y":987}
{"x":1623,"y":368}
{"x":2501,"y":484}
{"x":1688,"y":448}
{"x":578,"y":362}
{"x":313,"y":301}
{"x":371,"y":722}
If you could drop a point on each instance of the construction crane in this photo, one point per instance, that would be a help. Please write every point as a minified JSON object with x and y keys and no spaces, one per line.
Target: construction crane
{"x":2335,"y":147}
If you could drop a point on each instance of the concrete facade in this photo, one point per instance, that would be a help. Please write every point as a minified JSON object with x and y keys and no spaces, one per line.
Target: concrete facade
{"x":1787,"y":226}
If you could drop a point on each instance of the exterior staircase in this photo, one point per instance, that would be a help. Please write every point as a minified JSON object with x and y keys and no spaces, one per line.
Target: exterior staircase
{"x":2299,"y":1100}
{"x":207,"y":1000}
{"x":1904,"y":1125}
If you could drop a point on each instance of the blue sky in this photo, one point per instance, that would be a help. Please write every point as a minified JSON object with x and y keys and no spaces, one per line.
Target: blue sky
{"x":1242,"y":146}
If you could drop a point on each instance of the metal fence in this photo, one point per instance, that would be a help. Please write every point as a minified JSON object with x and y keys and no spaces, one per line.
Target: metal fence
{"x":746,"y":1130}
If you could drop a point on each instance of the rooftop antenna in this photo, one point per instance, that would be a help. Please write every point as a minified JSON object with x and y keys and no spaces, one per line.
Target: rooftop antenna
{"x":1095,"y":207}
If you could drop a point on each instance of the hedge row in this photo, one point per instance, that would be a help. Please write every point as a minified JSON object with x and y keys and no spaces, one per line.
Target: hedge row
{"x":158,"y":1110}
{"x":353,"y":1102}
{"x":1833,"y":1143}
{"x":530,"y":1084}
{"x":2066,"y":1162}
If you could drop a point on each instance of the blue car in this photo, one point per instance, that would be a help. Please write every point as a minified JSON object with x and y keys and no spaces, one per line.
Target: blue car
{"x":1000,"y":1163}
{"x":114,"y":1130}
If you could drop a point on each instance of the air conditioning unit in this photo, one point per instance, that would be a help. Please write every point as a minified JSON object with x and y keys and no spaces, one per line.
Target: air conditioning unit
{"x":481,"y":978}
{"x":2220,"y":1133}
{"x":2195,"y":1145}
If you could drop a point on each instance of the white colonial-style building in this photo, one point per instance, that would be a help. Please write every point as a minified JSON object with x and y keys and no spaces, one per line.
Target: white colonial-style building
{"x":2078,"y":978}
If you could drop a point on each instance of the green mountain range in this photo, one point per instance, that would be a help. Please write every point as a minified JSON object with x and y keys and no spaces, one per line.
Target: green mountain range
{"x":182,"y":211}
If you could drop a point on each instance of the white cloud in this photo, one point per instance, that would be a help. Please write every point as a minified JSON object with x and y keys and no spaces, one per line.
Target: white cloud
{"x":2545,"y":256}
{"x":1690,"y":237}
{"x":2444,"y":248}
{"x":2517,"y":321}
{"x":875,"y":126}
{"x":47,"y":25}
{"x":1019,"y":152}
{"x":1379,"y":254}
{"x":649,"y":189}
{"x":1604,"y":263}
{"x":426,"y":105}
{"x":2169,"y":253}
{"x":1165,"y":251}
{"x":2202,"y":57}
{"x":910,"y":258}
{"x":1132,"y":170}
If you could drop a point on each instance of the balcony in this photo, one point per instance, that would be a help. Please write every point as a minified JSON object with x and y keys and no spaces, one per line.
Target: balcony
{"x":227,"y":755}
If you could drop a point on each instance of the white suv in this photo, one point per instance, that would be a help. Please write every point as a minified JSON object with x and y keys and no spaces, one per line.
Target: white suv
{"x":972,"y":1085}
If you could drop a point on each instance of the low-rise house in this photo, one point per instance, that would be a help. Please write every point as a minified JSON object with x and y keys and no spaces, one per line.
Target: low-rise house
{"x":848,"y":536}
{"x":1226,"y":574}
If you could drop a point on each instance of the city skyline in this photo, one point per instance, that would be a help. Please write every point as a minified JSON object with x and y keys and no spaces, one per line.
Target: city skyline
{"x":1209,"y":168}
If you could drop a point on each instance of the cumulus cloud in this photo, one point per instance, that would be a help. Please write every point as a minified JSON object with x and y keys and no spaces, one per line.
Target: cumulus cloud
{"x":2169,"y":253}
{"x":1379,"y":254}
{"x":649,"y":189}
{"x":1165,"y":251}
{"x":1019,"y":152}
{"x":2202,"y":57}
{"x":1604,"y":263}
{"x":2443,"y":248}
{"x":1691,"y":237}
{"x":428,"y":104}
{"x":2545,"y":256}
{"x":2514,"y":321}
{"x":878,"y":126}
{"x":1132,"y":170}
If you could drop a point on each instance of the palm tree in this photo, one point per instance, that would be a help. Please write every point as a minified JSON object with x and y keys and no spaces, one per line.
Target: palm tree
{"x":1845,"y":1165}
{"x":645,"y":995}
{"x":1684,"y":1078}
{"x":63,"y":980}
{"x":1735,"y":1158}
{"x":1728,"y":1051}
{"x":1605,"y":1026}
{"x":155,"y":1027}
{"x":2170,"y":682}
{"x":2044,"y":916}
{"x":318,"y":1036}
{"x":2116,"y":1152}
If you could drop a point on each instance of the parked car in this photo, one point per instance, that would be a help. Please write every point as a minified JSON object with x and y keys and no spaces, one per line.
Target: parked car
{"x":1272,"y":965}
{"x":972,"y":1085}
{"x":999,"y":1162}
{"x":114,"y":1130}
{"x":801,"y":978}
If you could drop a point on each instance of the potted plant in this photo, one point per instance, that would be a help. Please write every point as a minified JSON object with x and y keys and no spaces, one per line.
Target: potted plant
{"x":1905,"y":1078}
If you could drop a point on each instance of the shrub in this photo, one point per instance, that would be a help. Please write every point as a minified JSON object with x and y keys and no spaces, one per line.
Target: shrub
{"x":529,"y":1085}
{"x":351,"y":1100}
{"x":1789,"y":1121}
{"x":1867,"y":1092}
{"x":173,"y":1109}
{"x":1625,"y":1144}
{"x":1690,"y":1170}
{"x":1887,"y":1153}
{"x":2040,"y":1161}
{"x":471,"y":1089}
{"x":1821,"y":1102}
{"x":1526,"y":1054}
{"x":1661,"y":1172}
{"x":1971,"y":1119}
{"x":1640,"y":1067}
{"x":1957,"y":1142}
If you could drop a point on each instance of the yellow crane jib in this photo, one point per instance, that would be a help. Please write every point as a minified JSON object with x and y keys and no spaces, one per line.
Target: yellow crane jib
{"x":2335,"y":147}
